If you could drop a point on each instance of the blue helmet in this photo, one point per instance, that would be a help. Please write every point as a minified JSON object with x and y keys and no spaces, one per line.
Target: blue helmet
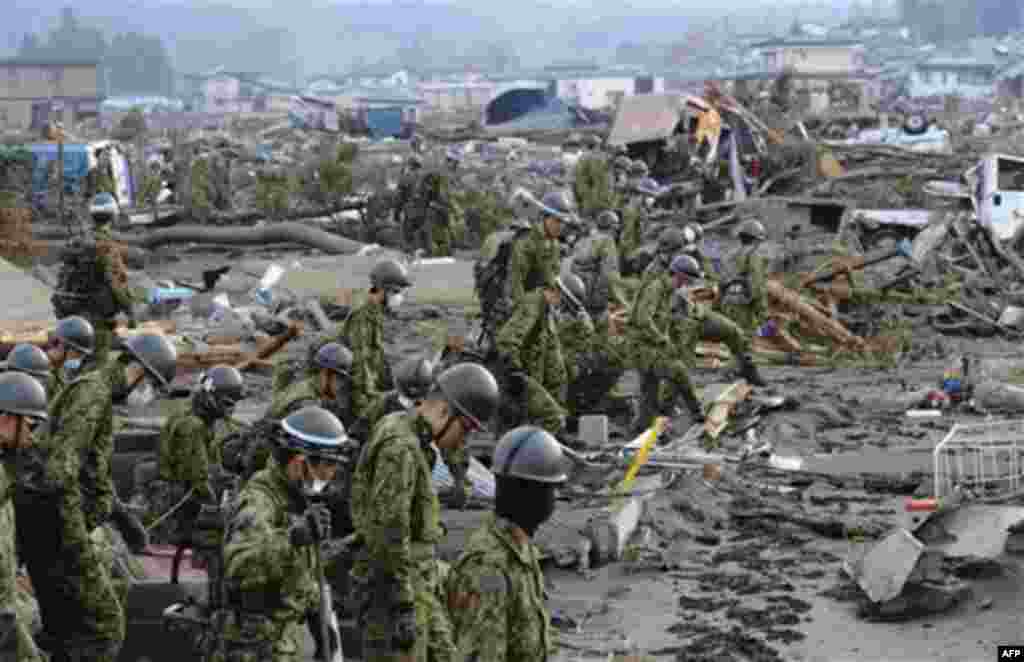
{"x":103,"y":206}
{"x":315,"y":432}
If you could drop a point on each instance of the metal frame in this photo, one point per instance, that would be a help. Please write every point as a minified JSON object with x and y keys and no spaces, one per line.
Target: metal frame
{"x":981,"y":458}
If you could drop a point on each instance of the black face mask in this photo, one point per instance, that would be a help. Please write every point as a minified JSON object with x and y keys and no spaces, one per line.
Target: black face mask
{"x":525,"y":503}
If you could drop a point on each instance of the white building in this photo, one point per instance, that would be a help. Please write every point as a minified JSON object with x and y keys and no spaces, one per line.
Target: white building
{"x":596,"y":89}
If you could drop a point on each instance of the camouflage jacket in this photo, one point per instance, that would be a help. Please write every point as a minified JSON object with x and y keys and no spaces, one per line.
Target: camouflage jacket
{"x":533,"y":256}
{"x":596,"y":261}
{"x":79,"y":449}
{"x":264,"y":573}
{"x":111,"y":261}
{"x":9,"y":592}
{"x":363,"y":334}
{"x":529,"y":340}
{"x":394,"y":508}
{"x":648,"y":324}
{"x":496,"y":598}
{"x":185,"y":452}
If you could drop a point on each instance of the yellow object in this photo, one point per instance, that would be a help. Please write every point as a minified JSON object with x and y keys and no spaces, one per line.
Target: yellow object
{"x":645,"y":450}
{"x":709,"y":125}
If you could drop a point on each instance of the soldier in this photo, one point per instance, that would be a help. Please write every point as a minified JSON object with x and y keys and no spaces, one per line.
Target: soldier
{"x":693,"y":321}
{"x":270,"y":582}
{"x":185,"y":454}
{"x":74,"y":493}
{"x":531,"y":353}
{"x":396,"y":516}
{"x":34,"y":362}
{"x":747,"y":270}
{"x":620,"y":171}
{"x":413,"y":378}
{"x":538,"y":253}
{"x":655,"y":355}
{"x":73,"y":340}
{"x":22,"y":406}
{"x":407,"y":187}
{"x":433,"y":215}
{"x":363,"y":332}
{"x":596,"y":261}
{"x":496,"y":588}
{"x":114,"y":281}
{"x":593,"y":363}
{"x":693,"y":236}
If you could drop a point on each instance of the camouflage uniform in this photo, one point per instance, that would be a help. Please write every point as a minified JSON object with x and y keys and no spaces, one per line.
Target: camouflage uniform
{"x":269,"y":584}
{"x":108,"y":254}
{"x":533,"y":258}
{"x":654,"y":353}
{"x":10,"y":596}
{"x":363,"y":334}
{"x":397,"y":517}
{"x":596,"y":262}
{"x":434,"y":216}
{"x":594,"y":362}
{"x":496,"y":598}
{"x":746,"y":263}
{"x":404,"y":212}
{"x":184,"y":457}
{"x":686,"y":333}
{"x":79,"y":605}
{"x":530,"y":342}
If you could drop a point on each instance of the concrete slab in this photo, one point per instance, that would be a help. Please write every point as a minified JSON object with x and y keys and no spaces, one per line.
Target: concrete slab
{"x":979,"y":529}
{"x":22,"y":297}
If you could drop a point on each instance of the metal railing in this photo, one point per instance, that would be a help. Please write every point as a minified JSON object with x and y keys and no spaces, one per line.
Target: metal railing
{"x":981,"y":460}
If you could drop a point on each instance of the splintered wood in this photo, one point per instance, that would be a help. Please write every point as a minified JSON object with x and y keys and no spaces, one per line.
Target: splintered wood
{"x":236,"y":355}
{"x":38,"y":333}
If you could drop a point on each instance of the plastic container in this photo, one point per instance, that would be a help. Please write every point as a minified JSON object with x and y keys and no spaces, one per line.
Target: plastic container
{"x":930,"y":505}
{"x":159,"y":295}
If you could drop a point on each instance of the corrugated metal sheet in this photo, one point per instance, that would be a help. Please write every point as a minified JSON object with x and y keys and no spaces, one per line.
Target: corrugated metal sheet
{"x":646,"y":117}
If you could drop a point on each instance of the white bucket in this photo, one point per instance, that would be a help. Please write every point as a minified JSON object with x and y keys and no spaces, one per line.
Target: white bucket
{"x":271,"y":277}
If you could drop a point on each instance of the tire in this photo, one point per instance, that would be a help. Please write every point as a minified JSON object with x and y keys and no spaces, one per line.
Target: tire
{"x":915,"y":124}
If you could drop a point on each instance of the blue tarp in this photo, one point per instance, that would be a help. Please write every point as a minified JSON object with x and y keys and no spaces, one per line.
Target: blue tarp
{"x":76,"y":165}
{"x":530,"y":110}
{"x":384,"y":122}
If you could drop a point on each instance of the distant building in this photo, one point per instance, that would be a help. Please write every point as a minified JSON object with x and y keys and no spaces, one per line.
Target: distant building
{"x":34,"y":92}
{"x":594,"y":88}
{"x":222,"y":91}
{"x":816,"y":57}
{"x":973,"y":70}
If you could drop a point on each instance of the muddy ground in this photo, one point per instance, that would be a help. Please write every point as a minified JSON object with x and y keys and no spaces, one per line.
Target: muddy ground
{"x":748,"y":567}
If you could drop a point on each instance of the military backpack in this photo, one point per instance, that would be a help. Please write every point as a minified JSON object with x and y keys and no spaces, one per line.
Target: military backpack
{"x":82,"y":285}
{"x":490,"y":273}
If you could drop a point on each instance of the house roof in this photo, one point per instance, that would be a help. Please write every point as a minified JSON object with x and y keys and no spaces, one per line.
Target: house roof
{"x":645,"y":117}
{"x":43,"y":62}
{"x":808,"y":43}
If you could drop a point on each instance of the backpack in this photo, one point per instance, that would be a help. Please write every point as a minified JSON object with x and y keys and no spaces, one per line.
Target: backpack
{"x":490,"y":273}
{"x":82,"y":287}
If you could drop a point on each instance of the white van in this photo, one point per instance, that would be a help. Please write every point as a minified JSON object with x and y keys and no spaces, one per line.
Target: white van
{"x":997,"y":185}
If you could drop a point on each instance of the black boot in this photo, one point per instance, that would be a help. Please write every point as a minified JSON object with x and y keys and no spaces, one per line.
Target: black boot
{"x":748,"y":370}
{"x":649,"y":406}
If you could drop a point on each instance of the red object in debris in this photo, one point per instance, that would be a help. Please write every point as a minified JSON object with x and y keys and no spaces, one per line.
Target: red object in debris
{"x":912,"y":505}
{"x":755,"y":168}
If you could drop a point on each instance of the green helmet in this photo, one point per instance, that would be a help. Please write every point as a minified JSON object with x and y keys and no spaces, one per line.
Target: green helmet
{"x":336,"y":357}
{"x":607,"y":220}
{"x":30,"y":360}
{"x":558,"y":204}
{"x":390,"y":275}
{"x":530,"y":453}
{"x":638,"y":168}
{"x":472,"y":390}
{"x":76,"y":332}
{"x":224,"y":385}
{"x":671,"y":240}
{"x":685,"y":264}
{"x":752,"y":229}
{"x":315,"y":432}
{"x":156,"y":354}
{"x":414,"y":377}
{"x":21,"y":395}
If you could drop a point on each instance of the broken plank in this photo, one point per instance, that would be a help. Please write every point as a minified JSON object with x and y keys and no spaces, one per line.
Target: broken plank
{"x":723,"y":406}
{"x":39,"y":333}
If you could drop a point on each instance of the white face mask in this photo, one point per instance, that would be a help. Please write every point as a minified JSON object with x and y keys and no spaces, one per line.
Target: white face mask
{"x":395,"y":300}
{"x":141,"y":395}
{"x":407,"y":403}
{"x":316,"y":487}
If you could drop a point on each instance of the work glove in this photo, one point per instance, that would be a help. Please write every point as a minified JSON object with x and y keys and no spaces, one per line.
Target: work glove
{"x":404,"y":633}
{"x":313,"y":623}
{"x":516,"y":382}
{"x":313,"y":527}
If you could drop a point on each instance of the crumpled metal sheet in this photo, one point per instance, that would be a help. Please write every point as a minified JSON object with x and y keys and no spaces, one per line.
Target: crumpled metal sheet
{"x":646,"y":117}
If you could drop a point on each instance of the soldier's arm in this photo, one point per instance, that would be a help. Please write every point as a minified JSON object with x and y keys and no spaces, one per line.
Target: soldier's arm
{"x":518,"y":267}
{"x":79,"y":421}
{"x":758,"y":274}
{"x":388,"y":529}
{"x":511,"y":336}
{"x":646,"y":303}
{"x":478,"y":603}
{"x":257,"y":552}
{"x":122,"y":295}
{"x":190,"y":440}
{"x":364,"y":380}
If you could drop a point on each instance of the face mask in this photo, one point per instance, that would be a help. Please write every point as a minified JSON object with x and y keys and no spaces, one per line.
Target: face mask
{"x":313,"y":485}
{"x":141,"y":395}
{"x":72,"y":366}
{"x":407,"y":403}
{"x":395,"y":300}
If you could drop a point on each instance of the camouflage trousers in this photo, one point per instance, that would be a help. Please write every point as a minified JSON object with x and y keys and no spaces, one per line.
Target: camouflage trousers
{"x":748,"y":318}
{"x":82,"y":615}
{"x":537,"y":407}
{"x":255,"y":637}
{"x":158,"y":498}
{"x":434,"y":642}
